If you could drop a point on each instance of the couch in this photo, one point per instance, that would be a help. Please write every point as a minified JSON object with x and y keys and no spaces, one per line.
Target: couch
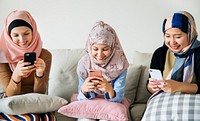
{"x":63,"y":80}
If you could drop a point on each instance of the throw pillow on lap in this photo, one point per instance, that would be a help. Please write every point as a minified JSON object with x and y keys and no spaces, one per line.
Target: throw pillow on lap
{"x":173,"y":107}
{"x":97,"y":108}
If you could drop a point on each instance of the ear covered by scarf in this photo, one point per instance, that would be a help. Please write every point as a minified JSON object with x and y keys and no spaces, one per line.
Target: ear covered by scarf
{"x":9,"y":51}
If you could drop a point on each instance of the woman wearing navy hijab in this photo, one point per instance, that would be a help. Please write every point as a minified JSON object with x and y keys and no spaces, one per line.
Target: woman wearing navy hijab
{"x":178,"y":59}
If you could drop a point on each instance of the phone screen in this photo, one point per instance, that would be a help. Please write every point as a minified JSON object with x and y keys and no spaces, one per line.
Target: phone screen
{"x":30,"y":57}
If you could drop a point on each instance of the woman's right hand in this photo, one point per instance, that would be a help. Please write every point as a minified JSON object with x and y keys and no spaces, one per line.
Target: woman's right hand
{"x":22,"y":70}
{"x":153,"y":85}
{"x":88,"y":85}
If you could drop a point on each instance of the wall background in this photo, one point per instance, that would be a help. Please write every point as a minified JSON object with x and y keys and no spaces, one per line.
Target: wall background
{"x":66,"y":23}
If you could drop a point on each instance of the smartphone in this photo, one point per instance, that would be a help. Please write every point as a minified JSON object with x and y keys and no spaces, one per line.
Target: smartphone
{"x":30,"y":57}
{"x":93,"y":73}
{"x":155,"y":74}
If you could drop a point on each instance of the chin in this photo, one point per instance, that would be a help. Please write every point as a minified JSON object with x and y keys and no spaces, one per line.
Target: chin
{"x":176,"y":51}
{"x":101,"y":62}
{"x":24,"y":46}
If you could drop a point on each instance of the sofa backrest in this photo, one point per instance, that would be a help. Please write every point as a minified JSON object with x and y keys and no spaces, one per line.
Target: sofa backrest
{"x":142,"y":59}
{"x":63,"y":80}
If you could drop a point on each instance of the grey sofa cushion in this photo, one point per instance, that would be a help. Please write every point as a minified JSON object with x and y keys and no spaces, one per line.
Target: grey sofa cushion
{"x":132,"y":79}
{"x":63,"y":78}
{"x":137,"y":111}
{"x":143,"y":59}
{"x":61,"y":117}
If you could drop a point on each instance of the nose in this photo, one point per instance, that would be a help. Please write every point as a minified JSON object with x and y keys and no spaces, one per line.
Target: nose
{"x":172,"y":41}
{"x":21,"y":39}
{"x":100,"y":53}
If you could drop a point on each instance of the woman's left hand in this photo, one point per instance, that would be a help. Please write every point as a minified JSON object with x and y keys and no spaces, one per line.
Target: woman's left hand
{"x":40,"y":66}
{"x":171,"y":86}
{"x":103,"y":85}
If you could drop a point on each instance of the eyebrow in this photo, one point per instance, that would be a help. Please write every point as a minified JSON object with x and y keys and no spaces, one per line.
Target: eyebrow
{"x":173,"y":34}
{"x":26,"y":30}
{"x":22,"y":32}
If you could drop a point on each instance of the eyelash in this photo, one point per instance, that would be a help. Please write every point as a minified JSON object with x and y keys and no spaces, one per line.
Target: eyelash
{"x":95,"y":49}
{"x":18,"y":35}
{"x":175,"y":36}
{"x":26,"y":33}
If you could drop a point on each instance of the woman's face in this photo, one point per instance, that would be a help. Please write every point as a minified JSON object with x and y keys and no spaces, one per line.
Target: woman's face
{"x":176,"y":40}
{"x":21,"y":36}
{"x":101,"y":52}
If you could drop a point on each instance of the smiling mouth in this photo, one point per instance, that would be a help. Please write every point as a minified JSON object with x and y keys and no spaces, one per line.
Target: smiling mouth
{"x":175,"y":47}
{"x":23,"y":44}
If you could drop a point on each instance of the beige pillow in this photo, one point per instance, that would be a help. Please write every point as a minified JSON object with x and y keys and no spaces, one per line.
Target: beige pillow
{"x":31,"y":103}
{"x":143,"y":59}
{"x":132,"y":79}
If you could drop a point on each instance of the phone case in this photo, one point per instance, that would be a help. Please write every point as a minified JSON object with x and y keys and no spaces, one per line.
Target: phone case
{"x":155,"y":74}
{"x":97,"y":73}
{"x":30,"y":57}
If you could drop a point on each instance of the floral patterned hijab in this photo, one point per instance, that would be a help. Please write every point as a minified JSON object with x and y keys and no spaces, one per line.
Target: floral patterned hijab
{"x":9,"y":51}
{"x":114,"y":65}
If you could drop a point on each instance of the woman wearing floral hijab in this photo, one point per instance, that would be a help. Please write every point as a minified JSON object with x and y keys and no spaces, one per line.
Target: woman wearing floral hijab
{"x":104,"y":53}
{"x":178,"y":59}
{"x":19,"y":36}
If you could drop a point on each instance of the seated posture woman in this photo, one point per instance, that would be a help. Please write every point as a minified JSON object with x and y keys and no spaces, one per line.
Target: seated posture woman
{"x":179,"y":62}
{"x":108,"y":63}
{"x":20,"y":35}
{"x":178,"y":59}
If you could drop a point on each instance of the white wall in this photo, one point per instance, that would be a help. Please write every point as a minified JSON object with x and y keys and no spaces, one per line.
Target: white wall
{"x":66,"y":23}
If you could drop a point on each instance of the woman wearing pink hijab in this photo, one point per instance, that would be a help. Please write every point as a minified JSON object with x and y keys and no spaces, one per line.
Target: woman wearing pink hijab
{"x":20,"y":35}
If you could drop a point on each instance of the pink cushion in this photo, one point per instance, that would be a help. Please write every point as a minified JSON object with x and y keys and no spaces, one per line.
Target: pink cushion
{"x":97,"y":108}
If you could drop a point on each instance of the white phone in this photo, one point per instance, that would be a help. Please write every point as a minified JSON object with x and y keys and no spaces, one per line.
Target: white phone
{"x":155,"y":74}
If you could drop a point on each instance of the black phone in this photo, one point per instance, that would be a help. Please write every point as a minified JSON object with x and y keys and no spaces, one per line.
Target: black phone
{"x":30,"y":57}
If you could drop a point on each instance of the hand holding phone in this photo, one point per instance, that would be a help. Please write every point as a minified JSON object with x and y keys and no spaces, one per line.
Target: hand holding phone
{"x":95,"y":73}
{"x":156,"y":74}
{"x":30,"y":57}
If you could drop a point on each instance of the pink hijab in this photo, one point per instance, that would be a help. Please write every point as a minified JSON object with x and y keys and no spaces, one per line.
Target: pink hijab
{"x":9,"y":51}
{"x":102,"y":33}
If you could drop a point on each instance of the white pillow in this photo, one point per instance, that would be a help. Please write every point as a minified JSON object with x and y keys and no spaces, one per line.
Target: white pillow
{"x":31,"y":103}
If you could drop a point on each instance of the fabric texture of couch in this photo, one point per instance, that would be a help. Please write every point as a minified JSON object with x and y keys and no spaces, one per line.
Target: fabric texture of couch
{"x":63,"y":80}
